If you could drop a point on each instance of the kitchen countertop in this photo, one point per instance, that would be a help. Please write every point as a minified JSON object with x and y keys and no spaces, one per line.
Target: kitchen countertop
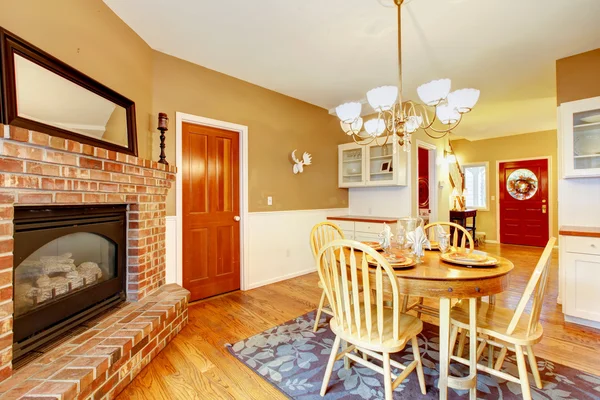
{"x":586,"y":231}
{"x":359,"y":218}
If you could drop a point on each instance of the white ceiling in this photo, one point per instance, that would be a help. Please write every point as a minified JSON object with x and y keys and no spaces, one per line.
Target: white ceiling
{"x":326,"y":52}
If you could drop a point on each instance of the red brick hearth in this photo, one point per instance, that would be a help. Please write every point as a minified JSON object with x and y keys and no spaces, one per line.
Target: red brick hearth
{"x":39,"y":169}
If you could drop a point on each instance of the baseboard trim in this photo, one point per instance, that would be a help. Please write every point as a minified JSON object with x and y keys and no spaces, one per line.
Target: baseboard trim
{"x":282,"y":278}
{"x":582,"y":321}
{"x":492,"y":241}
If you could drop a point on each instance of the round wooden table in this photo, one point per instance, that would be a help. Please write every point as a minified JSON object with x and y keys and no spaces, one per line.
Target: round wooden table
{"x":434,"y":278}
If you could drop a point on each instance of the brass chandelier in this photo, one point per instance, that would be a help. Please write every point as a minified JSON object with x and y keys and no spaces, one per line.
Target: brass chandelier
{"x":440,"y":112}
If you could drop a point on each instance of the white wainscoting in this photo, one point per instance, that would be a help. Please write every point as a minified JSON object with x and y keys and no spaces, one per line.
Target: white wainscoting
{"x":278,"y":245}
{"x":171,"y":246}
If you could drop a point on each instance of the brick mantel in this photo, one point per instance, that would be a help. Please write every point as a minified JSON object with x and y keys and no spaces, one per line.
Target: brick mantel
{"x":39,"y":169}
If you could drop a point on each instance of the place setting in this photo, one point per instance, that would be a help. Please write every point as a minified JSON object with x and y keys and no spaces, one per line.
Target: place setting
{"x":394,"y":256}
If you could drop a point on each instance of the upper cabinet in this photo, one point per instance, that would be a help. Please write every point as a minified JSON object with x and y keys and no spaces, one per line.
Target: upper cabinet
{"x":372,"y":165}
{"x":579,"y":138}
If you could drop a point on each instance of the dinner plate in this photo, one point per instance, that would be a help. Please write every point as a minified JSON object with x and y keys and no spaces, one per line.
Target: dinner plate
{"x":403,"y":262}
{"x":469,"y":259}
{"x":374,"y":245}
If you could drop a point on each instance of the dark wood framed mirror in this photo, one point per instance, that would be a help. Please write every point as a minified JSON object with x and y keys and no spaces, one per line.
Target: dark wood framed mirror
{"x":42,"y":93}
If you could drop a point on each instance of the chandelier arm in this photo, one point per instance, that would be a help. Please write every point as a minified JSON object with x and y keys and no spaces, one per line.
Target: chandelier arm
{"x":435,"y":136}
{"x":450,"y":127}
{"x":399,"y":4}
{"x":360,"y":141}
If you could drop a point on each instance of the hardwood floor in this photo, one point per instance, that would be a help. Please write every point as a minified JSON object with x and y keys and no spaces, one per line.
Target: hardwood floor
{"x":196,"y":364}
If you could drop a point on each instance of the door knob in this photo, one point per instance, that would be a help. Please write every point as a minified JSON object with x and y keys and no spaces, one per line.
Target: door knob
{"x":237,"y":218}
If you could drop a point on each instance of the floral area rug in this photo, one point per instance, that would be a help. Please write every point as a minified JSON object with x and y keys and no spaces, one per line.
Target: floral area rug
{"x":293,"y":358}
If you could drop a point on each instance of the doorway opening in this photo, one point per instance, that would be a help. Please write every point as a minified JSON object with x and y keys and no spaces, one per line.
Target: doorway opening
{"x":426,"y":186}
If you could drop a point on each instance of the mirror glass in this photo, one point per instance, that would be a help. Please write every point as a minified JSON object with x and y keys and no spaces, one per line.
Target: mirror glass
{"x":46,"y":97}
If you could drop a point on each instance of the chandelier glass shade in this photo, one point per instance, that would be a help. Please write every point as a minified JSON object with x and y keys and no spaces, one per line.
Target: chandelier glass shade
{"x":439,"y":112}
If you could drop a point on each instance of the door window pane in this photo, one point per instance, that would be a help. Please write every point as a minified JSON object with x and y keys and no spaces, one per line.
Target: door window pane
{"x":522,"y":184}
{"x":476,"y":186}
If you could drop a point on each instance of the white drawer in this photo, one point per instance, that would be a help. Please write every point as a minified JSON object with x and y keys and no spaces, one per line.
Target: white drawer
{"x":349,"y":235}
{"x":366,"y":237}
{"x":582,"y":245}
{"x":370,"y":227}
{"x":345,"y":225}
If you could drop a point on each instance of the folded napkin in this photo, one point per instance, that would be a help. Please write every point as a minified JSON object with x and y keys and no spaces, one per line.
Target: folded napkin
{"x":418,"y":241}
{"x":439,"y":231}
{"x":386,"y":236}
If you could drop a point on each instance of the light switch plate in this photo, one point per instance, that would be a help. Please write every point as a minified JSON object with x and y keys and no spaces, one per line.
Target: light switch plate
{"x":270,"y":200}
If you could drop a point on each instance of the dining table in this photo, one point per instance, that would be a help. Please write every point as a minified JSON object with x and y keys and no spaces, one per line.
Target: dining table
{"x":437,"y":279}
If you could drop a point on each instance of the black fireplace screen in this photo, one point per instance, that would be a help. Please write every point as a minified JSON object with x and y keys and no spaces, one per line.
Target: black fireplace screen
{"x":70,"y":264}
{"x":67,"y":264}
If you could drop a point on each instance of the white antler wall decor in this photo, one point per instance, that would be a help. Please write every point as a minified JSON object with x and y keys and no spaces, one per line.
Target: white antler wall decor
{"x":299,"y":165}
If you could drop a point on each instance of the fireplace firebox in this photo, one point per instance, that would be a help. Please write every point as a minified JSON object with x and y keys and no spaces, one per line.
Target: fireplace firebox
{"x":69,"y":266}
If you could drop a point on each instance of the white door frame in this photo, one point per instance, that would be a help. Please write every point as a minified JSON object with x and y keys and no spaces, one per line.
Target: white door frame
{"x":433,"y":187}
{"x":550,"y":192}
{"x":244,"y":237}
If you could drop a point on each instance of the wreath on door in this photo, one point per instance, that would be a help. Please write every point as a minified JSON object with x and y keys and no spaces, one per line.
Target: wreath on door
{"x":522,"y":184}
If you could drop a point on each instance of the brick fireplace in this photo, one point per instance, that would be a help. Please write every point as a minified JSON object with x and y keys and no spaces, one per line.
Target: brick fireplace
{"x":37,"y":169}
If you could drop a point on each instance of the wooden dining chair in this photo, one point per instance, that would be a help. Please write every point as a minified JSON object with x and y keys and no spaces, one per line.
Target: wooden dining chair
{"x":322,"y":234}
{"x":508,"y":329}
{"x":466,"y":242}
{"x":362,"y":319}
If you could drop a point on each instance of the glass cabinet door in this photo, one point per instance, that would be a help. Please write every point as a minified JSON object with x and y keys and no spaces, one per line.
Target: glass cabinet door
{"x":586,"y":140}
{"x":351,"y":167}
{"x":579,"y":146}
{"x":381,"y":164}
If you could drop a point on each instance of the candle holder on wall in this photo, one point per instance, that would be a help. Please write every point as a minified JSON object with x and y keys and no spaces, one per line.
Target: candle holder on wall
{"x":163,"y":126}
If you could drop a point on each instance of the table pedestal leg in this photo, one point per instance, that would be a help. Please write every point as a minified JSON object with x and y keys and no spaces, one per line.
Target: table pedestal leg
{"x":444,"y":346}
{"x":469,"y":382}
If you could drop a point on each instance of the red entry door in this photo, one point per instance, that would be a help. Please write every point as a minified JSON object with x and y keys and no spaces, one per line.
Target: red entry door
{"x":211,"y":231}
{"x":524,"y":202}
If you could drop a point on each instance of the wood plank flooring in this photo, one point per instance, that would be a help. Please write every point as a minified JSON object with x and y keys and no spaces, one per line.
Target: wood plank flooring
{"x":196,"y":364}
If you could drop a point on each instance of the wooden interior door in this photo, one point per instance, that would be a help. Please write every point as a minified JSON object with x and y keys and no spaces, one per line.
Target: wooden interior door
{"x":524,"y":195}
{"x":211,"y":228}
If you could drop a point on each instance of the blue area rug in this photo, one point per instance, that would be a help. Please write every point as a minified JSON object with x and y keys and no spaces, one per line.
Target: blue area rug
{"x":293,"y":358}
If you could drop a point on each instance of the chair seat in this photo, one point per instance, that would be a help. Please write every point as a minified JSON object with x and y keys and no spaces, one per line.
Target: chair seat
{"x":494,"y":321}
{"x":409,"y":326}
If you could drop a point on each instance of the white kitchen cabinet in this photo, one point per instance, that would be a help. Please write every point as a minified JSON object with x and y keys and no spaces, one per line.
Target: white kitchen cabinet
{"x":580,"y":270}
{"x":363,"y":231}
{"x":579,"y":138}
{"x":371,"y":165}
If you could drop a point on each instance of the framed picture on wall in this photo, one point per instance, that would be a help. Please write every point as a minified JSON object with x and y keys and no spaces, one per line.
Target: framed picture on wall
{"x":385,"y":166}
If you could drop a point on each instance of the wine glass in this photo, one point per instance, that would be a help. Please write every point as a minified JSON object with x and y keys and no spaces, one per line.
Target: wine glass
{"x":444,"y":242}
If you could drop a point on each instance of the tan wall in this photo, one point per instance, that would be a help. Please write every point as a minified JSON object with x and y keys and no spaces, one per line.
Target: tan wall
{"x":577,"y":77}
{"x":88,"y":36}
{"x":517,"y":147}
{"x":277,"y":124}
